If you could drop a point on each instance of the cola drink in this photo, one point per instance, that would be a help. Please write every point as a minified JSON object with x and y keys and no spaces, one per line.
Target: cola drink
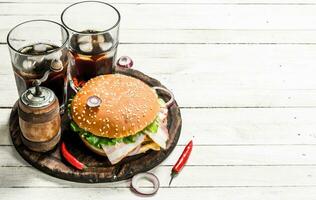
{"x":33,"y":61}
{"x":93,"y":42}
{"x":94,"y":54}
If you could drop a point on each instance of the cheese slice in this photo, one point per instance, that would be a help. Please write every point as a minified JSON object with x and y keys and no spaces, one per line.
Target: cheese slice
{"x":162,"y":134}
{"x":145,"y":147}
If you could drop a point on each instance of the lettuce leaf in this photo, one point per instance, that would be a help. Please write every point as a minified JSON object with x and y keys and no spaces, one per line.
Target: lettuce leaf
{"x":153,"y":127}
{"x":131,"y":138}
{"x":75,"y":128}
{"x":98,"y":141}
{"x":69,"y":105}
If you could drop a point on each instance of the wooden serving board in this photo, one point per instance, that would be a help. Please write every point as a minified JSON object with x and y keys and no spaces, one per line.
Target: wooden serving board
{"x":99,"y":168}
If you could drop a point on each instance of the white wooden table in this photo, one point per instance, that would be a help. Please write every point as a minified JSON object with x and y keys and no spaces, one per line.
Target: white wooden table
{"x":243,"y":72}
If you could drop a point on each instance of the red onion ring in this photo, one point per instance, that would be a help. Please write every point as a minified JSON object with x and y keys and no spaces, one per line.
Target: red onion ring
{"x":150,"y":177}
{"x":124,"y":62}
{"x":171,"y":100}
{"x":94,"y":101}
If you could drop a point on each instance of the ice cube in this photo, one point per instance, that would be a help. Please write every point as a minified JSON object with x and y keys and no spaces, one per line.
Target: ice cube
{"x":40,"y":47}
{"x":36,"y":58}
{"x":28,"y":65}
{"x":86,"y":47}
{"x":56,"y":65}
{"x":100,"y":39}
{"x":105,"y":46}
{"x":27,"y":49}
{"x":56,"y":55}
{"x":84,"y":39}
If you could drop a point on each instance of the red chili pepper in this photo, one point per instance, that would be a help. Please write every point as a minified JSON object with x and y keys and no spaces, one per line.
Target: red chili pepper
{"x":81,"y":83}
{"x":78,"y":83}
{"x":75,"y":81}
{"x":182,"y":160}
{"x":70,"y":158}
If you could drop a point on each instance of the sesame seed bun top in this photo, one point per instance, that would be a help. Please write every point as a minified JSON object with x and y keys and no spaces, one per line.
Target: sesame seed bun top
{"x":128,"y":106}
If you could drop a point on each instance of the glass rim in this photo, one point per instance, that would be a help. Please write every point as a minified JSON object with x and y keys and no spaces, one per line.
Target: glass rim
{"x":64,"y":43}
{"x":98,"y":32}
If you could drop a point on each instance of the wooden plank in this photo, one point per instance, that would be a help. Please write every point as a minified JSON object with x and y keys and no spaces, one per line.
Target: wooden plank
{"x":215,"y":36}
{"x":233,"y":193}
{"x":191,"y":176}
{"x":184,"y":16}
{"x":214,"y":59}
{"x":233,"y":126}
{"x":211,"y":36}
{"x":216,"y":2}
{"x":221,"y":91}
{"x":215,"y":156}
{"x":211,"y":2}
{"x":4,"y":127}
{"x":217,"y":75}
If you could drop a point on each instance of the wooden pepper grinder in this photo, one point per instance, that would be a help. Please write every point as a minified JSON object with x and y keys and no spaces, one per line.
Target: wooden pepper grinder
{"x":39,"y":118}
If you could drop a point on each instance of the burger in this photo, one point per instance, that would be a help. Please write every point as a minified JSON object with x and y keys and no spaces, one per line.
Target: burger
{"x":118,"y":116}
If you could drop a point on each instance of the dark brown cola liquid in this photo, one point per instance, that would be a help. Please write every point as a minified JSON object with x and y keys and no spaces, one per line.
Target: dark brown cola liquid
{"x":94,"y":55}
{"x":32,"y":64}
